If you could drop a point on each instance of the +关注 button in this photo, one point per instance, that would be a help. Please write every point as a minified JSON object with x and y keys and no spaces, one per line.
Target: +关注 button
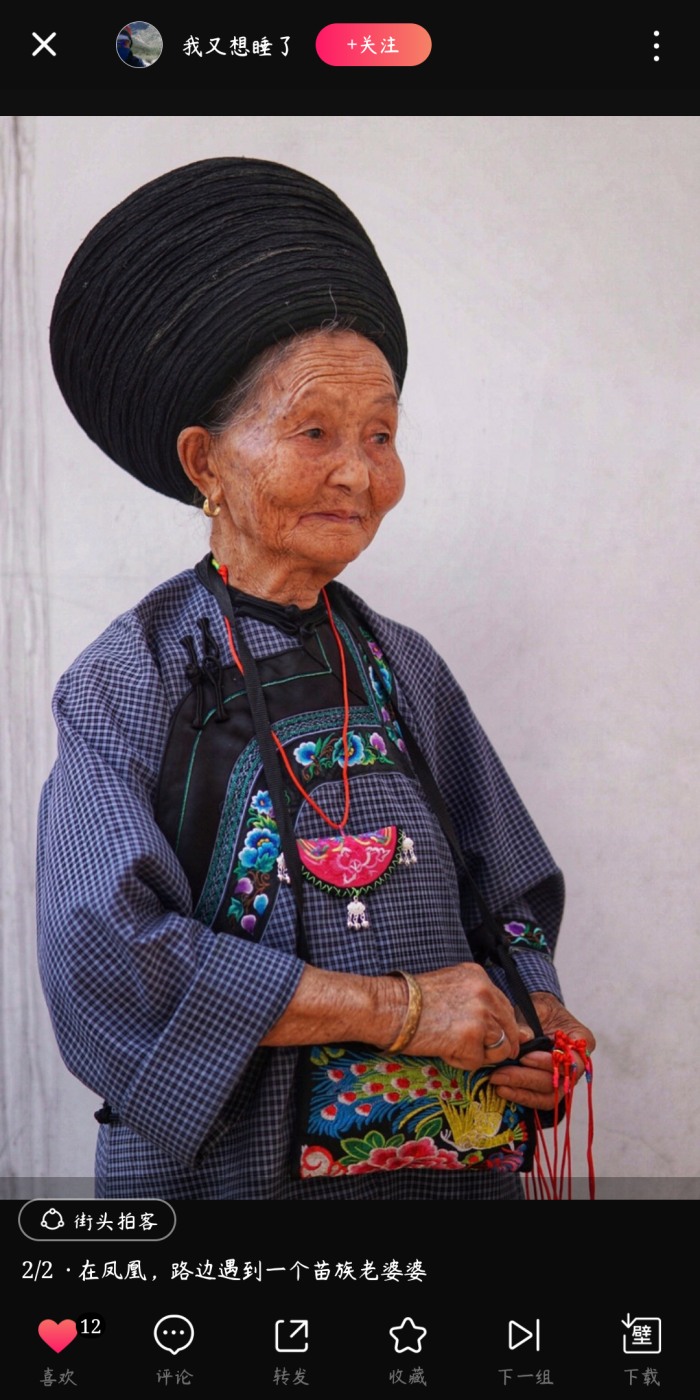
{"x":373,"y":45}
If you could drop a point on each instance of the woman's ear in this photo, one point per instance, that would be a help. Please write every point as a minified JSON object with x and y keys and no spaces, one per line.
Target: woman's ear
{"x":194,"y":448}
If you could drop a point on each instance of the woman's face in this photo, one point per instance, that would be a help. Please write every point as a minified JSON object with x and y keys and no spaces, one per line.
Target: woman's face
{"x":311,"y":469}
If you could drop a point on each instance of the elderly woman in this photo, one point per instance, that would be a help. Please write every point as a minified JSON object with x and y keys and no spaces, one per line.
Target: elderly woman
{"x":292,"y":912}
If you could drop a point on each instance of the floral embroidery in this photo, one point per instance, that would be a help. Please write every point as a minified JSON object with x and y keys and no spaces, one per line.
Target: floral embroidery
{"x":356,"y":751}
{"x":305,"y":753}
{"x":317,"y":1161}
{"x":395,"y":735}
{"x":374,"y":1153}
{"x":262,"y":803}
{"x":377,"y":688}
{"x":379,"y":659}
{"x":438,"y":1116}
{"x":393,"y":727}
{"x":326,"y":753}
{"x":383,"y":689}
{"x":256,"y":859}
{"x":525,"y":935}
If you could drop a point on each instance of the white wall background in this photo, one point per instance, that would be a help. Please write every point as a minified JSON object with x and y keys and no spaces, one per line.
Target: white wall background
{"x":546,"y":544}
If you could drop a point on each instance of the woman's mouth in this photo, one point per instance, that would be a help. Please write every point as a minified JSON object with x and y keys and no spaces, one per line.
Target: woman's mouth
{"x":329,"y":515}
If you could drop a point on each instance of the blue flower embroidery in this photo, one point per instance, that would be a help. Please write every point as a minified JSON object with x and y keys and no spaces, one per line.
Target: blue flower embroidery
{"x":356,"y":751}
{"x":256,"y":860}
{"x":305,"y":754}
{"x":378,"y":660}
{"x":376,"y":685}
{"x":326,"y":753}
{"x":261,"y":849}
{"x":262,"y":803}
{"x":385,"y":673}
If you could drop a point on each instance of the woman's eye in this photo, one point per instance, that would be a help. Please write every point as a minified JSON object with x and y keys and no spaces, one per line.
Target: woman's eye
{"x":316,"y":433}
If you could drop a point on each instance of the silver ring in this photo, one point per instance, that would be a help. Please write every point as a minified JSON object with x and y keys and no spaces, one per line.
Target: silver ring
{"x":496,"y":1043}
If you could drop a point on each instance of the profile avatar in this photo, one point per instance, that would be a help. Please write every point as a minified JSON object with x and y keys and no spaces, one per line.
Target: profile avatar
{"x":139,"y":44}
{"x":125,"y":49}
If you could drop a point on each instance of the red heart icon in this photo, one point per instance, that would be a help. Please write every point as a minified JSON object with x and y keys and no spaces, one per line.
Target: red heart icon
{"x":57,"y":1334}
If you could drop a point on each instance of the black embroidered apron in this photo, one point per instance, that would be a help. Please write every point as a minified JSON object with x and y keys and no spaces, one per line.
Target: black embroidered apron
{"x":409,"y":1111}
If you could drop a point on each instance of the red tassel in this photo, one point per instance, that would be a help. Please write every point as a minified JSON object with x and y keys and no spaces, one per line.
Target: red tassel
{"x":550,"y":1184}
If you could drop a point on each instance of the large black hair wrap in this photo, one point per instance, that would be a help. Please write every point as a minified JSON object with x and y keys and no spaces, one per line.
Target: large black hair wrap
{"x":176,"y":290}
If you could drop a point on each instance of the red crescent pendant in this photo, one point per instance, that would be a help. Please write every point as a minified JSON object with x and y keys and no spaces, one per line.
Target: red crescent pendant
{"x":350,"y":862}
{"x":350,"y":865}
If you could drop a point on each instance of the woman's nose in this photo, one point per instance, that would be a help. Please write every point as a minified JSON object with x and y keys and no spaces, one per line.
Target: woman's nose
{"x":351,"y":467}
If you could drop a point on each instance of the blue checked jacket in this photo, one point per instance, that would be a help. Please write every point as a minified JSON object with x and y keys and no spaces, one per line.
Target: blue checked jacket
{"x":163,"y":1017}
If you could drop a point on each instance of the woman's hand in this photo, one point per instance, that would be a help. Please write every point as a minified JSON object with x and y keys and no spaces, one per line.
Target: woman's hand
{"x":463,"y":1019}
{"x":530,"y":1082}
{"x":463,"y":1015}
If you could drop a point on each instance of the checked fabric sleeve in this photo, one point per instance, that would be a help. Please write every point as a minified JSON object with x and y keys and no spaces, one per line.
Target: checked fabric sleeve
{"x":150,"y":1008}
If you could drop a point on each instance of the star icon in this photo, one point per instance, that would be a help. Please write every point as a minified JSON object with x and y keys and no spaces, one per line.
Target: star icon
{"x":408,"y":1337}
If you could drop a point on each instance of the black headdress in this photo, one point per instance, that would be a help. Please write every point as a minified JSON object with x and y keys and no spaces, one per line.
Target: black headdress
{"x":176,"y":290}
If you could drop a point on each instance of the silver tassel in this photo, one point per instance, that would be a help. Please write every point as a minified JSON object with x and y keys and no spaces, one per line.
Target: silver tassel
{"x":282,"y":871}
{"x":408,"y":855}
{"x":357,"y":916}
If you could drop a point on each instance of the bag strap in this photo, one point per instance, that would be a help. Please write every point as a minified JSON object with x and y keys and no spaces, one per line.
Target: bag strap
{"x":212,"y":580}
{"x":492,"y":941}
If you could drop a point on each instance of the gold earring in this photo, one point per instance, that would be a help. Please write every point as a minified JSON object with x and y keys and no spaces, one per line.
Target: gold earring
{"x":208,"y":510}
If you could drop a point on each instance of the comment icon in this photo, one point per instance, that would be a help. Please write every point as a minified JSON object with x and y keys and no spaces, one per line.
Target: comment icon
{"x":173,"y":1333}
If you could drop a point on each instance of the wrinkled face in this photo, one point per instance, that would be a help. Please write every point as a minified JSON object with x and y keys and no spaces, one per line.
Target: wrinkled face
{"x":311,"y":469}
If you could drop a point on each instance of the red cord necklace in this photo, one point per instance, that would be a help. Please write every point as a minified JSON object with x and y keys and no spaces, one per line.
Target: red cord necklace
{"x":344,"y":865}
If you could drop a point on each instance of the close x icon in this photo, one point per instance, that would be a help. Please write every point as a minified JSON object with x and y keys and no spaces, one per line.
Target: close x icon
{"x":44,"y":45}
